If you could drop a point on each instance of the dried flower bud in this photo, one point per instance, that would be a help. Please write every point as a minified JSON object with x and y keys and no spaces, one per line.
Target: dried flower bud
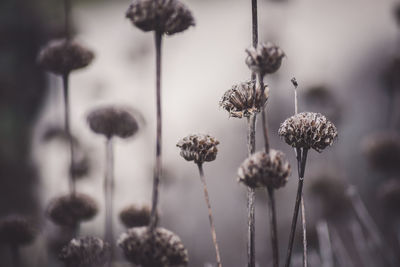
{"x":308,"y":130}
{"x":70,"y":210}
{"x":389,"y":196}
{"x":86,"y":252}
{"x":113,"y":121}
{"x":265,"y":59}
{"x":134,"y":216}
{"x":198,"y":147}
{"x":16,"y":230}
{"x":164,"y":16}
{"x":244,"y":99}
{"x":161,"y":248}
{"x":265,"y":170}
{"x":63,"y":56}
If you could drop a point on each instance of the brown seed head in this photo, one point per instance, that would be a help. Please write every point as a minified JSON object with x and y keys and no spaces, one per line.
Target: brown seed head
{"x":134,"y":216}
{"x":198,"y":147}
{"x":63,"y":56}
{"x":308,"y":130}
{"x":265,"y":59}
{"x":244,"y":99}
{"x":265,"y":170}
{"x":162,"y":248}
{"x":16,"y":230}
{"x":164,"y":16}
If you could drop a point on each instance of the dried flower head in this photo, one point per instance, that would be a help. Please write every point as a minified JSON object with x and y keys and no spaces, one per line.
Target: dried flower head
{"x":86,"y":252}
{"x":244,"y":99}
{"x":265,"y":59}
{"x":162,"y":248}
{"x":265,"y":170}
{"x":163,"y":16}
{"x":198,"y":147}
{"x":16,"y":230}
{"x":134,"y":216}
{"x":63,"y":56}
{"x":389,"y":195}
{"x":70,"y":210}
{"x":308,"y":130}
{"x":113,"y":121}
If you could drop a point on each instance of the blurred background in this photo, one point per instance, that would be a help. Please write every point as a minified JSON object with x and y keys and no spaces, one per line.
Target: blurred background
{"x":343,"y":54}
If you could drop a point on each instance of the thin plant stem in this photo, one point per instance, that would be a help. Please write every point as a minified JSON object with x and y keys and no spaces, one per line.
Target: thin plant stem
{"x":360,"y":244}
{"x":273,"y":228}
{"x":210,"y":216}
{"x":16,"y":259}
{"x":325,"y":245}
{"x":251,"y":195}
{"x":158,"y":166}
{"x":109,"y":195}
{"x":263,"y":115}
{"x":67,"y":18}
{"x":254,"y":29}
{"x":303,"y":223}
{"x":340,"y":250}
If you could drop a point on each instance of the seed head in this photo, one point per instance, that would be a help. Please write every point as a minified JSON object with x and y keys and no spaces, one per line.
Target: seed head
{"x":113,"y":121}
{"x":86,"y":252}
{"x":16,"y":230}
{"x":244,"y":99}
{"x":265,"y":170}
{"x":265,"y":59}
{"x":198,"y":147}
{"x":134,"y":216}
{"x":162,"y":248}
{"x":70,"y":210}
{"x":164,"y":16}
{"x":308,"y":130}
{"x":63,"y":56}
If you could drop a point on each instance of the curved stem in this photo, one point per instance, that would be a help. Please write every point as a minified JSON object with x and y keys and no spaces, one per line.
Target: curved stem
{"x":303,"y":222}
{"x":273,"y":227}
{"x":109,"y":195}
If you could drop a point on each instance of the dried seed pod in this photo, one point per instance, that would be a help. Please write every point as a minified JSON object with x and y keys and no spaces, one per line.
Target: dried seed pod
{"x":389,"y":196}
{"x":134,"y":216}
{"x":308,"y":130}
{"x":86,"y":252}
{"x":70,"y":210}
{"x":244,"y":99}
{"x":63,"y":56}
{"x":265,"y":170}
{"x":161,"y":248}
{"x":265,"y":59}
{"x":163,"y":16}
{"x":16,"y":230}
{"x":198,"y":147}
{"x":113,"y":121}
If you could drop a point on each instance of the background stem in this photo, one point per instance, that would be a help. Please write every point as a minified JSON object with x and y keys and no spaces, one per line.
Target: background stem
{"x":325,"y":245}
{"x":109,"y":195}
{"x":273,"y":227}
{"x":67,"y":15}
{"x":263,"y":116}
{"x":303,"y":222}
{"x":16,"y":260}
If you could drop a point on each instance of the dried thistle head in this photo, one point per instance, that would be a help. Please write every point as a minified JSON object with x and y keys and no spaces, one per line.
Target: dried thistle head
{"x":389,"y":195}
{"x":70,"y":210}
{"x":198,"y":147}
{"x":244,"y":99}
{"x":265,"y":59}
{"x":85,"y":252}
{"x":308,"y":130}
{"x":16,"y":230}
{"x":63,"y":56}
{"x":135,"y":216}
{"x":160,"y":248}
{"x":163,"y":16}
{"x":113,"y":121}
{"x":265,"y":170}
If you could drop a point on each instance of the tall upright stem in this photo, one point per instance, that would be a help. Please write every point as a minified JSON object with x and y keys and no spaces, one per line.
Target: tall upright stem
{"x":273,"y":227}
{"x":263,"y":116}
{"x":210,"y":216}
{"x":325,"y":245}
{"x":251,"y":197}
{"x":304,"y":227}
{"x":158,"y":165}
{"x":67,"y":15}
{"x":109,"y":195}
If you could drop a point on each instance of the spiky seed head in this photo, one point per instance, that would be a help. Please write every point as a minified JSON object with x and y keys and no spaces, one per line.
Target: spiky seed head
{"x":16,"y":230}
{"x":160,"y":248}
{"x":164,"y":16}
{"x":265,"y":59}
{"x":198,"y":148}
{"x":70,"y":210}
{"x":85,"y":252}
{"x":135,"y":216}
{"x":113,"y":121}
{"x":244,"y":99}
{"x":265,"y":170}
{"x":389,"y":195}
{"x":308,"y":130}
{"x":63,"y":56}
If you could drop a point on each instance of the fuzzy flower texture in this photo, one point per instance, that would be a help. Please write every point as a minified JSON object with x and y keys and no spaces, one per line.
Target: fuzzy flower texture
{"x":199,"y":148}
{"x":265,"y":59}
{"x":308,"y":130}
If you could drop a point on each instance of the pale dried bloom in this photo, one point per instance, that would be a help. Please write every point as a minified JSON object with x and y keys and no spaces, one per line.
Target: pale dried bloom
{"x":198,"y":147}
{"x":244,"y":99}
{"x":86,"y":252}
{"x":163,"y":16}
{"x":308,"y":130}
{"x":63,"y":56}
{"x":265,"y":59}
{"x":16,"y":230}
{"x":161,"y":248}
{"x":135,"y":216}
{"x":265,"y":170}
